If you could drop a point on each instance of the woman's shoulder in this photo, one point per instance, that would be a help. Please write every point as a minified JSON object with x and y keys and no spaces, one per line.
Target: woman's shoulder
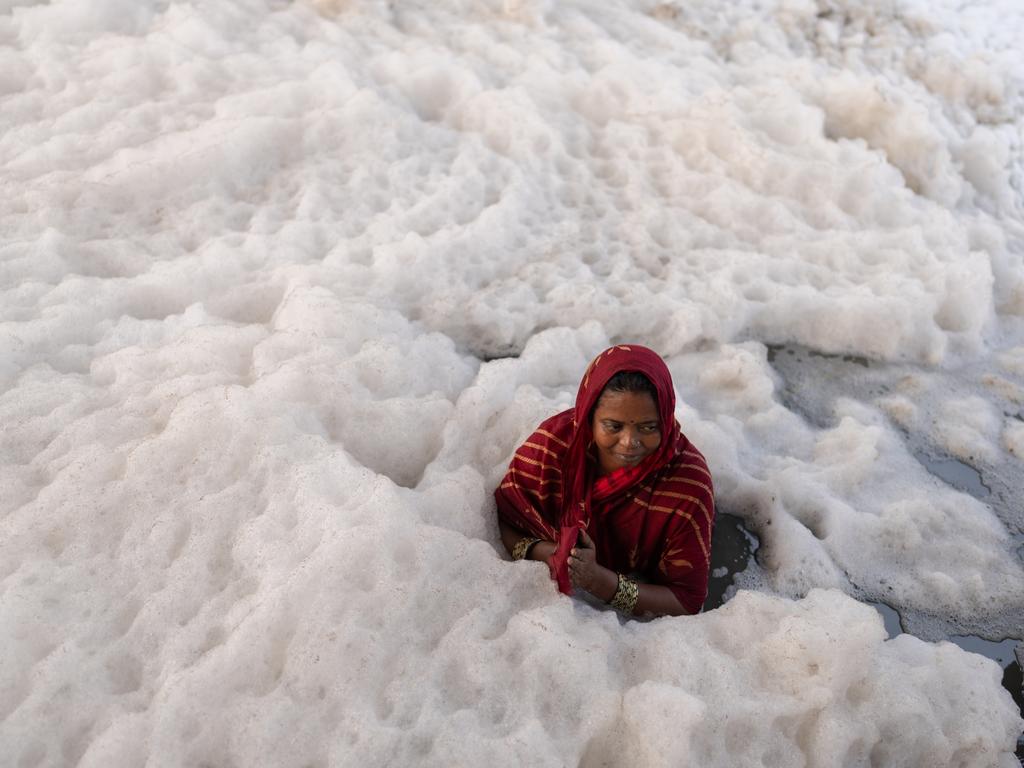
{"x":689,"y":457}
{"x":687,"y":466}
{"x":555,"y":429}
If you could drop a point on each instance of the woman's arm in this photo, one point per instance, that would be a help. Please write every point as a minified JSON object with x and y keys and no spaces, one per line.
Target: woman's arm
{"x":657,"y":600}
{"x":510,"y":536}
{"x":595,"y":578}
{"x":602,"y":583}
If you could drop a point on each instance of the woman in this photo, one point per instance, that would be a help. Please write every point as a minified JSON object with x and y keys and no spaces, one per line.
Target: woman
{"x":611,"y":488}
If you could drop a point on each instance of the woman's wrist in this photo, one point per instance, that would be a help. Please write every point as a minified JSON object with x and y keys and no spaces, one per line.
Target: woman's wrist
{"x":627,"y":594}
{"x":522,"y":547}
{"x":606,"y":583}
{"x":542,"y":551}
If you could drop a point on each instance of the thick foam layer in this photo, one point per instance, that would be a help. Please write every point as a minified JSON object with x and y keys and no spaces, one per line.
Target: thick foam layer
{"x":259,"y":263}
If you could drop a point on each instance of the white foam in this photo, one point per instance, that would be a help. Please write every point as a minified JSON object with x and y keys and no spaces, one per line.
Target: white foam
{"x":967,"y":428}
{"x":1013,"y":438}
{"x":258,"y":260}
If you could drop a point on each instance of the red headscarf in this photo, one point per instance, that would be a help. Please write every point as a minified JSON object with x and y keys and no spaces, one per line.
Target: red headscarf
{"x":579,"y":488}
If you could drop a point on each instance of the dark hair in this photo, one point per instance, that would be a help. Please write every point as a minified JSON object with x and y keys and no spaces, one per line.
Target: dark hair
{"x":631,"y":381}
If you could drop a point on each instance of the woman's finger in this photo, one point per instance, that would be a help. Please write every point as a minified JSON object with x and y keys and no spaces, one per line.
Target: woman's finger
{"x":586,"y":540}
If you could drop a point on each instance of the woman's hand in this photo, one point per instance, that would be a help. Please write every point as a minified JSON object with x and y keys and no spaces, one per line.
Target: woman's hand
{"x":586,"y":573}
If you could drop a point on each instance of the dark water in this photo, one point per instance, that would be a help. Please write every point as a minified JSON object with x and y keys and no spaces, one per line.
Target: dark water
{"x":731,"y":548}
{"x":956,"y":473}
{"x":890,"y":617}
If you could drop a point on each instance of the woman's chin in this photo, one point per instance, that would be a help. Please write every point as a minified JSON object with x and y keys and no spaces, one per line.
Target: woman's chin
{"x":621,"y":462}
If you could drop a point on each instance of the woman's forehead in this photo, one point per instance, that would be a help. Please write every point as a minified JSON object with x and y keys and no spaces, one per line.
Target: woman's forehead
{"x":626,"y":406}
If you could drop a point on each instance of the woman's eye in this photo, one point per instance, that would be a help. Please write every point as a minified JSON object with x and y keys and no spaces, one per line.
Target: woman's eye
{"x":649,"y":429}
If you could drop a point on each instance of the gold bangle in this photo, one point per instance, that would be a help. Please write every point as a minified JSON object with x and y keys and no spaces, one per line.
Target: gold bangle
{"x":626,"y":593}
{"x":522,"y":548}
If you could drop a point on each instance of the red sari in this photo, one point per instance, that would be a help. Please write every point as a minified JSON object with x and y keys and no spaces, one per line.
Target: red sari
{"x":654,"y":518}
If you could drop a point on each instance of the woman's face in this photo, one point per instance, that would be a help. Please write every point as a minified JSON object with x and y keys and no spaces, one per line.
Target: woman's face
{"x":626,"y":429}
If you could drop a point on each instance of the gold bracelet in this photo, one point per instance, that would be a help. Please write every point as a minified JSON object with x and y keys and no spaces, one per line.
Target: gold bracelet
{"x":626,"y":593}
{"x":522,"y":548}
